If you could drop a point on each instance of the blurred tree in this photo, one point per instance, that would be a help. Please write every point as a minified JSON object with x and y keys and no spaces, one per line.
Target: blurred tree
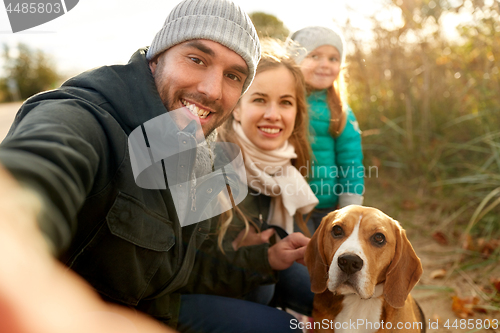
{"x":30,"y":72}
{"x":269,"y":26}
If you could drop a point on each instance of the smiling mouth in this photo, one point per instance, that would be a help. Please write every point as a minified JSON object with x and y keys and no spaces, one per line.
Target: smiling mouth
{"x":270,"y":130}
{"x":195,"y":110}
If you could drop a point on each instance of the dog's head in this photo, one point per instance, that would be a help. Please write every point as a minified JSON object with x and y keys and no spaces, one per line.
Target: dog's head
{"x":355,"y":249}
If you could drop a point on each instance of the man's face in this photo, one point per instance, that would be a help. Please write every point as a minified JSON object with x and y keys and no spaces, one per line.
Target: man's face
{"x":202,"y":77}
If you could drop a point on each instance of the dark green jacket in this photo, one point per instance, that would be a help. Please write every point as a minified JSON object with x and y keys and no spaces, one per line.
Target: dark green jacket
{"x":256,"y":207}
{"x":252,"y":259}
{"x":70,"y":145}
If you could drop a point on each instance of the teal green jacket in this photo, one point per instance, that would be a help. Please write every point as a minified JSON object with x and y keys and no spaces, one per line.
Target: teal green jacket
{"x":336,"y":170}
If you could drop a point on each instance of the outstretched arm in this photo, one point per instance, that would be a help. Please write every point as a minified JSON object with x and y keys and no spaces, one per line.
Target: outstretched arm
{"x":37,"y":293}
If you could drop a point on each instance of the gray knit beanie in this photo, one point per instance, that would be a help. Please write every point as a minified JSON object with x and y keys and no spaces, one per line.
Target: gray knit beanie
{"x":220,"y":21}
{"x":304,"y":41}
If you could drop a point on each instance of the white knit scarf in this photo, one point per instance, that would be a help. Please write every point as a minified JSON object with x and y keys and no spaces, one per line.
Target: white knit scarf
{"x":271,"y":173}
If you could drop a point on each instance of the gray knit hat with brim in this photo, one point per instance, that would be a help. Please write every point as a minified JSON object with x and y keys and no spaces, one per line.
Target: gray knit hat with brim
{"x":220,"y":21}
{"x":304,"y":41}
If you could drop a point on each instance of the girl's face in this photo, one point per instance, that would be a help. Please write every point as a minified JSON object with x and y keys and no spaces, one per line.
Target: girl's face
{"x":267,"y":110}
{"x":321,"y":67}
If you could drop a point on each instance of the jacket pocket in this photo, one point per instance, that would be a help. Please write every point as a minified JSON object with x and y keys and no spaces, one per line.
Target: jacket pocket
{"x":126,"y":251}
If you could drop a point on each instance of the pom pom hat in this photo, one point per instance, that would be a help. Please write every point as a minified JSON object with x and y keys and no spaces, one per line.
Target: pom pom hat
{"x":220,"y":21}
{"x":304,"y":41}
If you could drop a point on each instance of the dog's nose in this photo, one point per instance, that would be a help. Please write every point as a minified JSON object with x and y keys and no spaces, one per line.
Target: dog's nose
{"x":350,"y":263}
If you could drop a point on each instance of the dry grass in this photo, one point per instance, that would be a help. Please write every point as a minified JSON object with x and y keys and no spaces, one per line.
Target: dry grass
{"x":429,"y":108}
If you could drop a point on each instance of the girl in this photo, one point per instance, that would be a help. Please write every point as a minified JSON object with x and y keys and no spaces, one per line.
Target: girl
{"x":270,"y":126}
{"x":336,"y":174}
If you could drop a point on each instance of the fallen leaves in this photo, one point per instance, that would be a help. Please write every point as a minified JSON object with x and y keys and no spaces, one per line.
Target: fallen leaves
{"x":487,"y":247}
{"x":438,"y":274}
{"x":440,"y":237}
{"x":496,"y":284}
{"x":481,"y":245}
{"x":409,"y":205}
{"x":463,"y":307}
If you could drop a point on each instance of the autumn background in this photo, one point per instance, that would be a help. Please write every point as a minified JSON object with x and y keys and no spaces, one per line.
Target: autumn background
{"x":426,"y":95}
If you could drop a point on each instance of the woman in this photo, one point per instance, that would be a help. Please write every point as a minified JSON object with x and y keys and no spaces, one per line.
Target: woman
{"x":270,"y":126}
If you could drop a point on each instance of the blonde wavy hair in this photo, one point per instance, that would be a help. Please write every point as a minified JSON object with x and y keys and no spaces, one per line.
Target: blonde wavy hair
{"x":335,"y":97}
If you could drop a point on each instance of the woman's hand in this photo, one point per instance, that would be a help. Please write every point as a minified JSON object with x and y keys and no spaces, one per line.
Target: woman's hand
{"x":287,"y":251}
{"x":252,"y":238}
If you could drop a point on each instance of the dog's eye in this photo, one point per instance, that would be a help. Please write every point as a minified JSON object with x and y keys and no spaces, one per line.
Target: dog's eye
{"x":337,"y":231}
{"x":379,"y":238}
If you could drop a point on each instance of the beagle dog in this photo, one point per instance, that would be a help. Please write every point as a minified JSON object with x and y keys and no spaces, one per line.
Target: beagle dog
{"x":362,"y":269}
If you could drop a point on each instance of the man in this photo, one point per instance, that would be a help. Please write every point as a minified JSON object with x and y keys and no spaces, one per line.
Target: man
{"x":68,"y":151}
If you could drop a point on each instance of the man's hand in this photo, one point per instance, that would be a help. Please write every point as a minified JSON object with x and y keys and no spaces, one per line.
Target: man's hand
{"x":40,"y":295}
{"x":288,"y":250}
{"x":252,"y":238}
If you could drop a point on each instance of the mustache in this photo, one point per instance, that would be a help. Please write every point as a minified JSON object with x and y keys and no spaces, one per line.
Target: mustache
{"x":200,"y":99}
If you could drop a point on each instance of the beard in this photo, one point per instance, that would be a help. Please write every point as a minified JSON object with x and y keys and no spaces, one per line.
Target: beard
{"x":205,"y":149}
{"x":170,"y":99}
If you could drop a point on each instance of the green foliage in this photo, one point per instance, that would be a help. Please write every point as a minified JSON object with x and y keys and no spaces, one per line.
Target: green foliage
{"x":430,"y":106}
{"x":269,"y":26}
{"x":31,"y":72}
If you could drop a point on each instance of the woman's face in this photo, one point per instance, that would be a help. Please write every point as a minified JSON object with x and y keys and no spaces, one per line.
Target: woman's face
{"x":267,"y":110}
{"x":321,"y":67}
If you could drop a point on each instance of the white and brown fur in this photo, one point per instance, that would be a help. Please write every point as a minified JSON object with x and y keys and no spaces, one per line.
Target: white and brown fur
{"x":372,"y":281}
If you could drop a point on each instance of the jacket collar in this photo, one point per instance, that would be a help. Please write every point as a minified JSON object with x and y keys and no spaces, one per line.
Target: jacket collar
{"x":129,"y":89}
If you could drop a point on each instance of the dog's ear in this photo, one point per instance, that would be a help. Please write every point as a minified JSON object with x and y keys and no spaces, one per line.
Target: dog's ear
{"x":403,"y":273}
{"x":316,"y":261}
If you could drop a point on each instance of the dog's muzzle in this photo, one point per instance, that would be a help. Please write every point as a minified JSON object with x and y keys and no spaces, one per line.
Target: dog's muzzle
{"x":350,"y":263}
